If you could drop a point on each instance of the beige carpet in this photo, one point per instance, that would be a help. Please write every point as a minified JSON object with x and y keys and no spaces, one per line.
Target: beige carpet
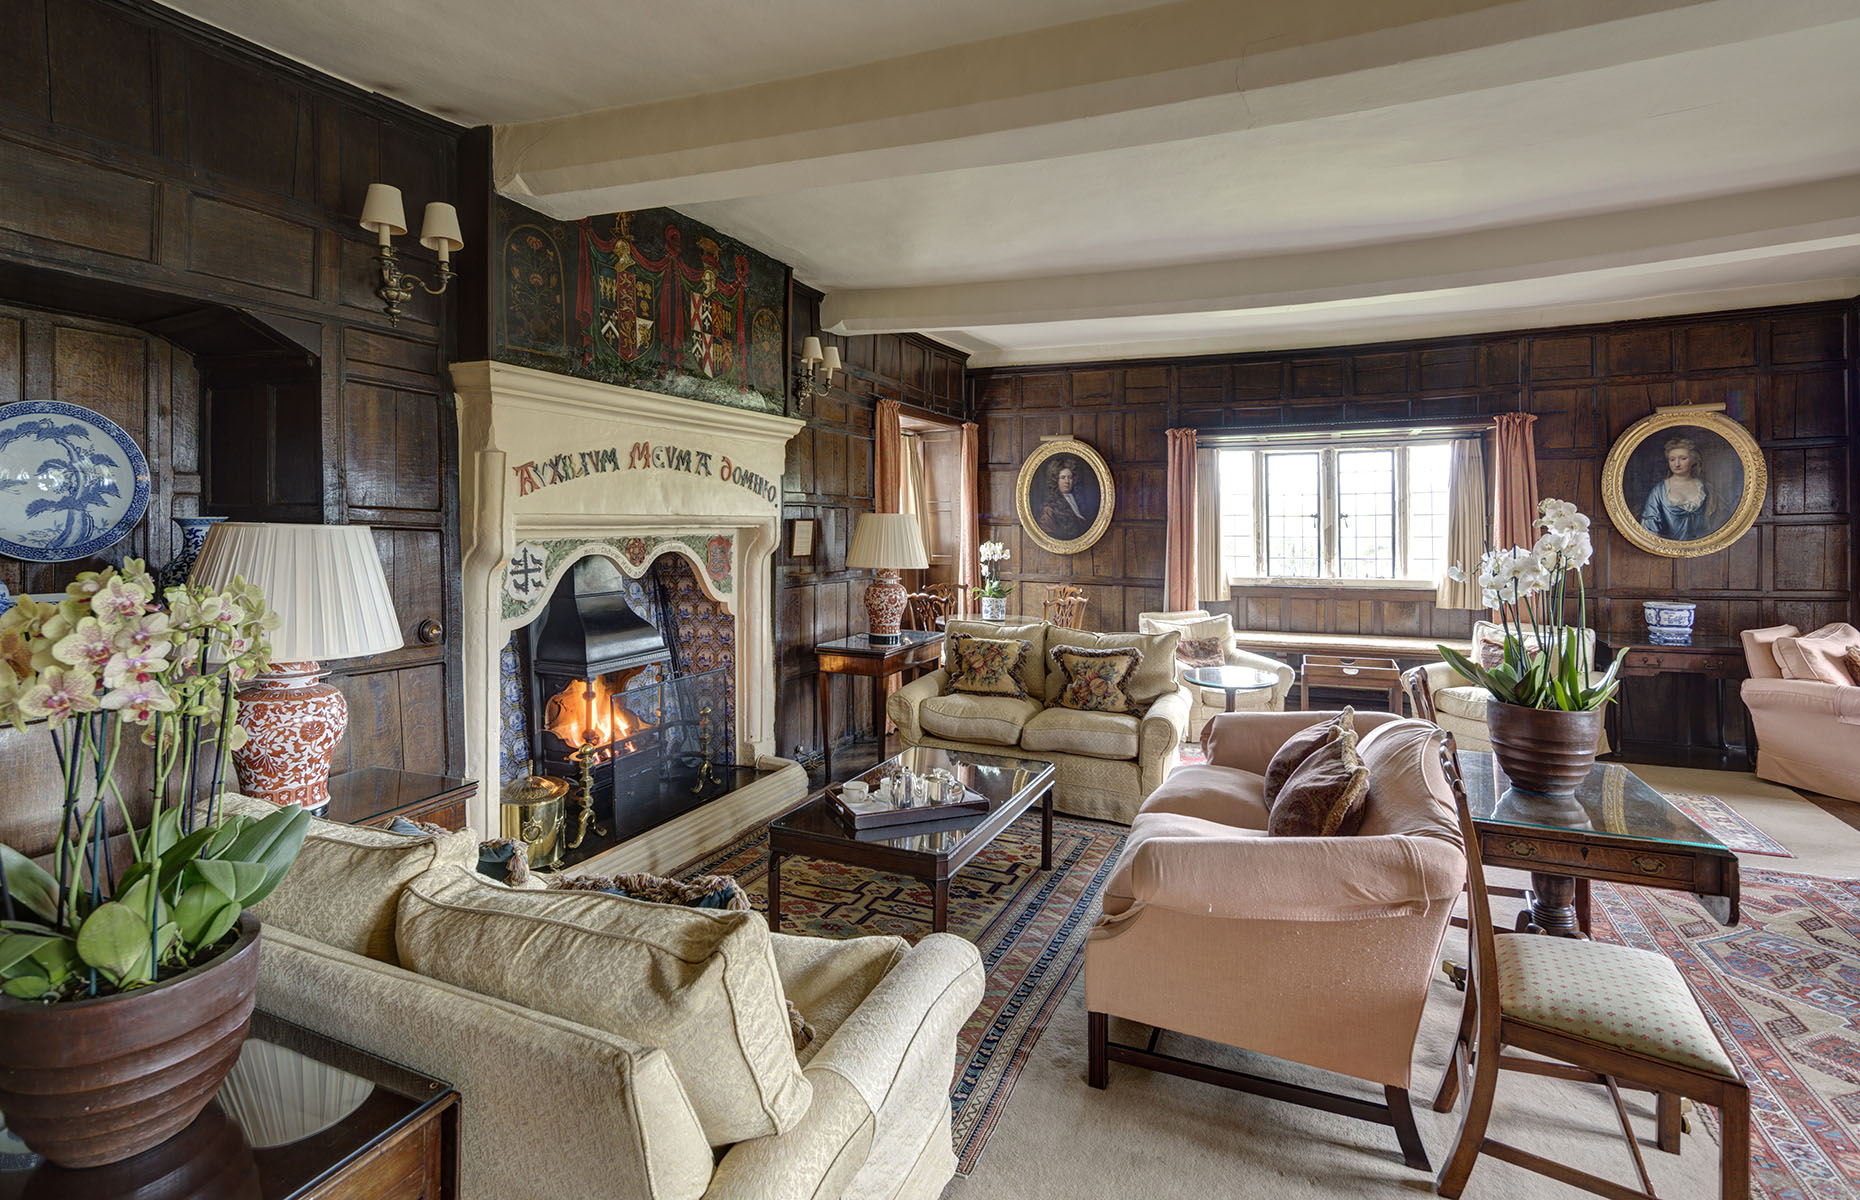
{"x":1159,"y":1138}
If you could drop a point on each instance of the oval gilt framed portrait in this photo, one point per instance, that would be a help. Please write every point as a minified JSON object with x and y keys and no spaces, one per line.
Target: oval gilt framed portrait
{"x":1065,"y":495}
{"x":1684,"y":483}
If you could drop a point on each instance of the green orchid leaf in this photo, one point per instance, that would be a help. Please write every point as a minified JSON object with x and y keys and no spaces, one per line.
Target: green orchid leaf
{"x":186,"y":850}
{"x":195,"y":911}
{"x":257,"y":837}
{"x":219,"y":875}
{"x":57,"y":958}
{"x":224,"y":835}
{"x":1468,"y":670}
{"x":115,"y":940}
{"x":218,"y":925}
{"x":27,"y":987}
{"x":19,"y":947}
{"x":249,"y":879}
{"x":281,"y":852}
{"x":31,"y":884}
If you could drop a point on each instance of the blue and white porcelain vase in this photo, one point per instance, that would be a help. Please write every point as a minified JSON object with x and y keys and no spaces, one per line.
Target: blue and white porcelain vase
{"x":1669,"y":622}
{"x":193,"y":537}
{"x":994,"y":608}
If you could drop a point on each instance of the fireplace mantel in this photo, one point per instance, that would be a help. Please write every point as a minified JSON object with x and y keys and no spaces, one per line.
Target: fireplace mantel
{"x":553,"y":468}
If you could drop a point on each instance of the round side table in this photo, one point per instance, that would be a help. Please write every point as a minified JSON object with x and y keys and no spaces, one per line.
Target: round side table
{"x":1232,"y":680}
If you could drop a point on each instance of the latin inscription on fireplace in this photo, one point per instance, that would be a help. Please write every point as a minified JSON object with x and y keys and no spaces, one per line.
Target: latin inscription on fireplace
{"x":643,"y":456}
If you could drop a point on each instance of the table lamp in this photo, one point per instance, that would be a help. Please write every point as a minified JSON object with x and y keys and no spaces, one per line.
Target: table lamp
{"x":888,"y":543}
{"x":325,"y":581}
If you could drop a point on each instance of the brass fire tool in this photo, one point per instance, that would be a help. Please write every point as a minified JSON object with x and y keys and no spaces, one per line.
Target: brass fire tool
{"x":707,"y":774}
{"x":584,"y":794}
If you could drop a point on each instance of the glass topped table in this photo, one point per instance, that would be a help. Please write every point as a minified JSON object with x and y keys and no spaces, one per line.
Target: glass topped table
{"x":299,"y":1115}
{"x":1232,"y":680}
{"x":933,"y":850}
{"x":1619,"y":829}
{"x":859,"y":655}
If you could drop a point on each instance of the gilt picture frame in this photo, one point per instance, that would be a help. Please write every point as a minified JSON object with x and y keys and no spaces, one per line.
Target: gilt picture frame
{"x":1684,"y":482}
{"x":1065,"y":496}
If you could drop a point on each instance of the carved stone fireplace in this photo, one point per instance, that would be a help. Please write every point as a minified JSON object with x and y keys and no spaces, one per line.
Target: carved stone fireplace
{"x":555,"y":470}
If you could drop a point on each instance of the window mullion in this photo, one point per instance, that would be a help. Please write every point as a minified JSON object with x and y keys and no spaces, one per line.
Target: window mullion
{"x":1401,"y":512}
{"x":1259,"y":514}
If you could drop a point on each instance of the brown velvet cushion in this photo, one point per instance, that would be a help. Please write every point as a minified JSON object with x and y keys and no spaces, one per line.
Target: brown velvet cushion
{"x":1201,"y":652}
{"x":1326,"y":796}
{"x":1300,"y":746}
{"x":986,"y":666}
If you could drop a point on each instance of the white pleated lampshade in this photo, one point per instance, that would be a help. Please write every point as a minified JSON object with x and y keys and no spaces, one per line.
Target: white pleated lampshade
{"x":888,"y":541}
{"x":324,"y":580}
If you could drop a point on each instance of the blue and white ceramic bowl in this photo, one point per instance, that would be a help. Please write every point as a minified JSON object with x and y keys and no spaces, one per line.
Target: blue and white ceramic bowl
{"x":1669,"y":622}
{"x":72,"y":483}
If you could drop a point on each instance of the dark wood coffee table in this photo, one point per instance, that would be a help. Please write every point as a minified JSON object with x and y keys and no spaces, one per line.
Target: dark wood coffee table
{"x":930,"y":852}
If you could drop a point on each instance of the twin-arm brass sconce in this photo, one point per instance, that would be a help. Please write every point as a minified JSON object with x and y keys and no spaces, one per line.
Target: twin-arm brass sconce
{"x":383,"y":216}
{"x":816,"y":364}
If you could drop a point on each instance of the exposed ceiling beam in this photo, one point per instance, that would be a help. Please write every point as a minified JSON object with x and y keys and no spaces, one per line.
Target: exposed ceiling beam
{"x":1765,"y":223}
{"x":1181,"y":70}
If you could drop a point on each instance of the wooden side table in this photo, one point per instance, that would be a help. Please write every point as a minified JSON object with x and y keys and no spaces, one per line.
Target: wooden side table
{"x":1718,"y":659}
{"x":857,"y":655}
{"x":1361,"y":674}
{"x":400,"y":1142}
{"x":376,"y":795}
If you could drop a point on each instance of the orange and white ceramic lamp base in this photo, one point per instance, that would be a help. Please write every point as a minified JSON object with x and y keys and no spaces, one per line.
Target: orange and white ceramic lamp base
{"x":294,"y":722}
{"x":884,"y":607}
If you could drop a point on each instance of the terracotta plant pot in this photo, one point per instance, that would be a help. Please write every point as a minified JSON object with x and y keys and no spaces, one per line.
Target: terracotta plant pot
{"x":89,"y":1082}
{"x":1543,"y":750}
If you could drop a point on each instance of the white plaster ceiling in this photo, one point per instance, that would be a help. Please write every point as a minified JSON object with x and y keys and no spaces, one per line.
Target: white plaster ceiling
{"x":1185,"y":177}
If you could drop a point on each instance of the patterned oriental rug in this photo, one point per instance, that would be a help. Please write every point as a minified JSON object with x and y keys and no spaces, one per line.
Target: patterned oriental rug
{"x":1783,"y":986}
{"x":1029,"y":925}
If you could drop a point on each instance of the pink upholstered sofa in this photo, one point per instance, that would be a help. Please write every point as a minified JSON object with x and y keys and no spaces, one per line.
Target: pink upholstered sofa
{"x":1805,"y":707}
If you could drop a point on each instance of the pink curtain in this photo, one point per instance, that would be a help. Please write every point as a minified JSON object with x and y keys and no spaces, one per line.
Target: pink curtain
{"x":1181,"y":579}
{"x":888,"y":459}
{"x":1514,"y":481}
{"x":969,"y":516}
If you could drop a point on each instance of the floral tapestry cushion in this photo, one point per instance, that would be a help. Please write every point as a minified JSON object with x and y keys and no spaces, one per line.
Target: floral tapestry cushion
{"x":1327,"y":795}
{"x":1853,"y":662}
{"x":981,"y":666}
{"x":1097,"y":680}
{"x":1300,"y":746}
{"x":1201,"y":652}
{"x":1616,"y":995}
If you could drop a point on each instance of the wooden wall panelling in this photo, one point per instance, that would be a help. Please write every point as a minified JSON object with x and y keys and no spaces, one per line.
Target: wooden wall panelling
{"x":828,"y":479}
{"x":1787,"y":374}
{"x":154,"y":170}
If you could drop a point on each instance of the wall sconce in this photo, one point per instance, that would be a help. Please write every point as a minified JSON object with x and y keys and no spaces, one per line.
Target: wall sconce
{"x":814,"y":359}
{"x":383,"y":216}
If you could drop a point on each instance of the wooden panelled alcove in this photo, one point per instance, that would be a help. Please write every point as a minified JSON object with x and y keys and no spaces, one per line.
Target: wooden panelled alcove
{"x":179,"y":209}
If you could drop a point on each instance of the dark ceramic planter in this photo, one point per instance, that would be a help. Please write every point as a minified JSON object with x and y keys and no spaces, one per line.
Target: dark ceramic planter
{"x":89,"y":1082}
{"x":1543,"y":750}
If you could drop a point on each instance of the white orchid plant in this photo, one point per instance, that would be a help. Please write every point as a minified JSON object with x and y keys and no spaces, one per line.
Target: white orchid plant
{"x":992,"y":588}
{"x":1544,"y":662}
{"x":110,"y":657}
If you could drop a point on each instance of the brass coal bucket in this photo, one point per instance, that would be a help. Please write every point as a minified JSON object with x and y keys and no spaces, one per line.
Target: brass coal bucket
{"x":533,"y":814}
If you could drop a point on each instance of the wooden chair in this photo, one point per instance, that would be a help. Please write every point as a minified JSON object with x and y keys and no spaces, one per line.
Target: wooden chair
{"x":1660,"y":1041}
{"x":1064,"y":606}
{"x":937,"y":602}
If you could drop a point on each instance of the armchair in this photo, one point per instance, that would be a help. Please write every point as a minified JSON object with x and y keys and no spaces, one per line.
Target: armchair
{"x":1457,"y":704}
{"x":1808,"y":730}
{"x":1211,"y":702}
{"x":1314,"y":950}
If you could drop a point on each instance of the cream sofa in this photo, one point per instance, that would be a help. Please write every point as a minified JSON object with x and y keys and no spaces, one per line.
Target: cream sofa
{"x":1458,"y":704}
{"x":1196,"y":623}
{"x":1807,"y":721}
{"x":1105,"y":763}
{"x":551,"y":1105}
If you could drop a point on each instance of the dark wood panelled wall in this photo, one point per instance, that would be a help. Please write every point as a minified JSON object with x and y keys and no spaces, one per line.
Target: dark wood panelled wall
{"x":179,"y":248}
{"x":1787,"y":374}
{"x":829,"y":479}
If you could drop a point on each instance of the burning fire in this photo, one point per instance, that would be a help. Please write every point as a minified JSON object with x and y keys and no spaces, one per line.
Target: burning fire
{"x":571,"y":716}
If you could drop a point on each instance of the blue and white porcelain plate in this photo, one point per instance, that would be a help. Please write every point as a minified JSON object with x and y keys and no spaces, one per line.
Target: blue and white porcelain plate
{"x":71,"y":481}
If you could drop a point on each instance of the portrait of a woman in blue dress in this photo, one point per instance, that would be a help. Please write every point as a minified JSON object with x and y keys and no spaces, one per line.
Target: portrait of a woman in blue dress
{"x":1683,"y":506}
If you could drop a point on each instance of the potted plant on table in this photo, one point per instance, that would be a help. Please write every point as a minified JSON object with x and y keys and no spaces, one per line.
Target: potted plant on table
{"x":993,"y":593}
{"x":1545,"y":713}
{"x":128,"y":966}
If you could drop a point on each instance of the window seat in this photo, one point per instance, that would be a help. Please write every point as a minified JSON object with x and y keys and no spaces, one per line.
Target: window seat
{"x":1291,"y":646}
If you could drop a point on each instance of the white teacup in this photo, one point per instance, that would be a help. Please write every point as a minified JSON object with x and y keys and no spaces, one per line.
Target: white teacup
{"x":855,"y":789}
